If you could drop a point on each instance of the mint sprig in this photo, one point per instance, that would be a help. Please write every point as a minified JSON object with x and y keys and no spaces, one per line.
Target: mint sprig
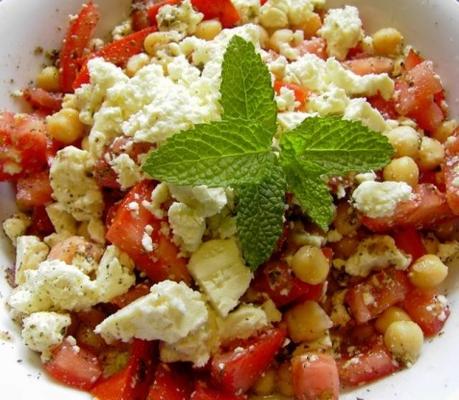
{"x":237,"y":152}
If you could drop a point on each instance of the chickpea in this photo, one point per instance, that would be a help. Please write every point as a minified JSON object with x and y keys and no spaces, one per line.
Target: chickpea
{"x":266,"y":383}
{"x":273,"y":18}
{"x":309,"y":26}
{"x":65,"y":126}
{"x":310,"y":265}
{"x":155,"y":39}
{"x":284,"y":381}
{"x":392,"y":314}
{"x":387,"y":42}
{"x":307,"y":321}
{"x":431,"y":153}
{"x":428,"y":272}
{"x":208,"y":30}
{"x":403,"y":169}
{"x":346,"y":247}
{"x":346,"y":221}
{"x":445,"y":130}
{"x":431,"y":243}
{"x":405,"y":141}
{"x":136,"y":63}
{"x":48,"y":79}
{"x":404,"y":339}
{"x":280,"y":37}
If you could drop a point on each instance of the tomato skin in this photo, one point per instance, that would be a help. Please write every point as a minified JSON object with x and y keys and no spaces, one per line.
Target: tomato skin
{"x":43,"y":100}
{"x":370,"y":65}
{"x":224,"y":10}
{"x":41,"y":224}
{"x":315,"y":376}
{"x":427,"y":310}
{"x":203,"y":392}
{"x":117,"y":53}
{"x":170,"y":384}
{"x":301,"y":94}
{"x":34,"y":190}
{"x":276,"y":279}
{"x":236,"y":371}
{"x":409,"y":240}
{"x":128,"y":228}
{"x":75,"y":43}
{"x":387,"y":288}
{"x":133,"y":294}
{"x":412,"y":60}
{"x":76,"y":368}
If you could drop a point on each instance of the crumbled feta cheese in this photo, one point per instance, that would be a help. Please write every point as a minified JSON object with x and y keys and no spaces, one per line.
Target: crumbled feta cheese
{"x":375,"y":253}
{"x":286,"y":100}
{"x":290,"y":120}
{"x":171,"y":312}
{"x":122,"y":30}
{"x":16,"y":226}
{"x":96,"y":231}
{"x":219,"y":270}
{"x":181,"y":18}
{"x":449,"y":253}
{"x":365,"y":177}
{"x":159,"y":196}
{"x":271,"y":311}
{"x":342,"y":29}
{"x":30,"y":252}
{"x":188,"y":226}
{"x":147,"y":242}
{"x":339,"y":314}
{"x":334,"y":236}
{"x":127,"y":171}
{"x":62,"y":221}
{"x":42,"y":331}
{"x":242,"y":323}
{"x":248,"y":10}
{"x":361,"y":110}
{"x":380,"y":199}
{"x":73,"y":186}
{"x":332,"y":101}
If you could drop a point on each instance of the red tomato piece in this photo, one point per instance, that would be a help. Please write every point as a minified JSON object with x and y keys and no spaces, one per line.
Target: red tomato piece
{"x":385,"y":107}
{"x":224,"y":10}
{"x":378,"y":292}
{"x":409,"y":240}
{"x":301,"y":94}
{"x":428,"y":309}
{"x":41,"y":224}
{"x":74,"y":366}
{"x":316,"y":45}
{"x":412,"y":60}
{"x":43,"y":100}
{"x":366,"y":366}
{"x":139,"y":15}
{"x":133,"y":381}
{"x":315,"y":376}
{"x":428,"y":116}
{"x":427,"y":206}
{"x":128,"y":229}
{"x":370,"y":65}
{"x":203,"y":392}
{"x":138,"y":291}
{"x":170,"y":384}
{"x":118,"y":52}
{"x":154,"y":9}
{"x":75,"y":43}
{"x":276,"y":279}
{"x":34,"y":190}
{"x":236,"y":371}
{"x":23,"y":145}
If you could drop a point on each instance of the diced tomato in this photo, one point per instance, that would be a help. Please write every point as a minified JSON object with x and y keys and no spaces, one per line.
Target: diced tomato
{"x":203,"y":392}
{"x":426,"y":207}
{"x":428,"y":116}
{"x":41,"y":224}
{"x":385,"y":107}
{"x":428,"y":309}
{"x":451,"y":172}
{"x":276,"y":279}
{"x":34,"y":190}
{"x":139,"y":15}
{"x":316,"y":45}
{"x":301,"y":94}
{"x":43,"y":100}
{"x":224,"y":10}
{"x":410,"y":241}
{"x":74,"y":366}
{"x":378,"y":292}
{"x":23,"y":145}
{"x":133,"y":294}
{"x":75,"y":43}
{"x":133,"y":382}
{"x":105,"y":175}
{"x":370,"y":65}
{"x":170,"y":384}
{"x":236,"y":371}
{"x":128,"y":229}
{"x":315,"y":376}
{"x":367,"y":366}
{"x":118,"y":52}
{"x":412,"y":60}
{"x":154,"y":9}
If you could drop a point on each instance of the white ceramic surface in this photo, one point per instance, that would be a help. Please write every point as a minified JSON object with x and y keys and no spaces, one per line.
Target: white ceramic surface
{"x":430,"y":25}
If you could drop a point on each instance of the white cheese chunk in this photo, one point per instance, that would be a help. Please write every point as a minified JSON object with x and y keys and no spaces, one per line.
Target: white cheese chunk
{"x":171,"y":312}
{"x":16,"y":226}
{"x":242,"y":323}
{"x":42,"y":331}
{"x":380,"y":199}
{"x":361,"y":110}
{"x":181,"y":18}
{"x":449,"y":253}
{"x":248,"y":10}
{"x":219,"y":270}
{"x":30,"y":252}
{"x":375,"y":253}
{"x":62,"y":221}
{"x":127,"y":171}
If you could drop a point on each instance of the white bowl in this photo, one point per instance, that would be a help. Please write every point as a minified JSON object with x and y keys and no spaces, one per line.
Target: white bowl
{"x":429,"y":25}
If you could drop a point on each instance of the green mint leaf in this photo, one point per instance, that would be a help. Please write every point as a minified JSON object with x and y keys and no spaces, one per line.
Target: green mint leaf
{"x":225,"y":153}
{"x":246,"y":89}
{"x":338,"y":147}
{"x":260,"y":211}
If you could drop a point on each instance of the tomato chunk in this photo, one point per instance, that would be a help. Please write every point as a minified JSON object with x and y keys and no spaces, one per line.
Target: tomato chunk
{"x":133,"y":381}
{"x":315,"y":376}
{"x":316,"y":46}
{"x":366,"y":366}
{"x":385,"y":107}
{"x":43,"y":100}
{"x":224,"y":10}
{"x":128,"y":229}
{"x":75,"y":43}
{"x":203,"y":392}
{"x":370,"y":65}
{"x":41,"y":224}
{"x":412,"y":60}
{"x":34,"y":190}
{"x":301,"y":94}
{"x":74,"y":366}
{"x":276,"y":279}
{"x":378,"y":292}
{"x":236,"y":371}
{"x":170,"y":384}
{"x":428,"y":309}
{"x":409,"y":240}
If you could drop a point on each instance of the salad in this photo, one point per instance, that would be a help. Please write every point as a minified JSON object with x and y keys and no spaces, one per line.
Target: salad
{"x":231,"y":199}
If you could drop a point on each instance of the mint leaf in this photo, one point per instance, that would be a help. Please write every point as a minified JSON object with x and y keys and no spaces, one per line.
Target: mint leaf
{"x":225,"y":153}
{"x":337,"y":147}
{"x":260,"y":210}
{"x":246,"y":88}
